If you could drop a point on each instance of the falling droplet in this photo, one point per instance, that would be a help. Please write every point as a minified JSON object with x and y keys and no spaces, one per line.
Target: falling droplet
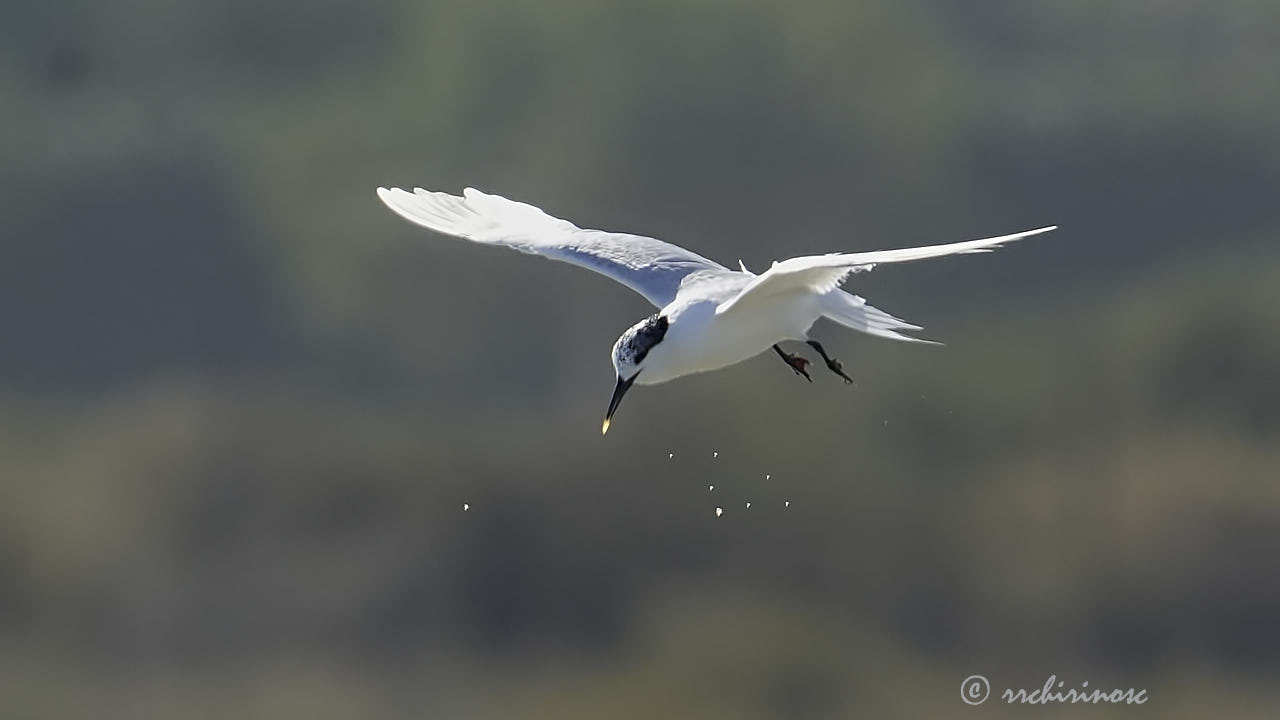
{"x":719,"y":512}
{"x":670,"y":455}
{"x":787,"y":504}
{"x":748,"y":504}
{"x":714,"y":454}
{"x":767,"y":476}
{"x":711,"y":488}
{"x":465,"y":507}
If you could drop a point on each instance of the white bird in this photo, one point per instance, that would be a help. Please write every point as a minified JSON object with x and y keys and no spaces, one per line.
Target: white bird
{"x":708,"y":316}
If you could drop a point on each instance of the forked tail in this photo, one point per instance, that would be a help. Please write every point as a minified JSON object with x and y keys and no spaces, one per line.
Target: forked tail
{"x":853,"y":312}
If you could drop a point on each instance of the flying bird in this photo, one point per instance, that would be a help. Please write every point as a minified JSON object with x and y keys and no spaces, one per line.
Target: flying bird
{"x":709,"y":316}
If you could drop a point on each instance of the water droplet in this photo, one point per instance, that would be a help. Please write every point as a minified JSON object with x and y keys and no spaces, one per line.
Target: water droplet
{"x":711,"y":488}
{"x":787,"y":504}
{"x":714,"y":454}
{"x":670,"y":455}
{"x":767,"y":476}
{"x":465,"y":507}
{"x":719,"y":512}
{"x":748,"y":503}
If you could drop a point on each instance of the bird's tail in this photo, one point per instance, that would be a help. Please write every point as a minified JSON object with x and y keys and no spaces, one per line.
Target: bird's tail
{"x":853,"y":312}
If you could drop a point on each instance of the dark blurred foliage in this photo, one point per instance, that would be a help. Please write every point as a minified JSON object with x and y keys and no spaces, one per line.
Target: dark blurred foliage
{"x":242,"y":405}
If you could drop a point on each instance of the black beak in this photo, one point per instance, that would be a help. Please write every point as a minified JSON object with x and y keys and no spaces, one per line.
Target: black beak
{"x":618,"y":391}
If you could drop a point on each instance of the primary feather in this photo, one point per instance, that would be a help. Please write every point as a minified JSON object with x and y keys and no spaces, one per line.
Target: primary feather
{"x":823,"y":273}
{"x":649,"y":266}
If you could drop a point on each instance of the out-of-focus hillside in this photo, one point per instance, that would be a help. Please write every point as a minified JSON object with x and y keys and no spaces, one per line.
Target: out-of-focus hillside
{"x":242,"y":405}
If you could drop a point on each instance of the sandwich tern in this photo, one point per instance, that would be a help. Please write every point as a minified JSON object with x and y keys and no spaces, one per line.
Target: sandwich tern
{"x":709,"y":316}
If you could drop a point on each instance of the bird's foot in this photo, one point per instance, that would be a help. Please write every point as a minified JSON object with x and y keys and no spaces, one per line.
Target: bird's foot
{"x":797,"y":363}
{"x":832,"y":364}
{"x":835,"y":367}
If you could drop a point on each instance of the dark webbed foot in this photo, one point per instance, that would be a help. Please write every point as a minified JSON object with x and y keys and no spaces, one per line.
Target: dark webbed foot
{"x":795,"y":362}
{"x":832,"y":364}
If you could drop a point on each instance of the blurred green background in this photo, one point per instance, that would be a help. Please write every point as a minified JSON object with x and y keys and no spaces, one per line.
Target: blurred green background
{"x":242,"y":404}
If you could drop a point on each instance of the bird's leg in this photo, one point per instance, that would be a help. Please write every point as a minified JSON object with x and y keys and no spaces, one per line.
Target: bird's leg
{"x":832,"y":364}
{"x":796,"y":362}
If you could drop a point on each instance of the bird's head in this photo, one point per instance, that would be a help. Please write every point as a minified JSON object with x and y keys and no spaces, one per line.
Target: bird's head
{"x":629,"y":354}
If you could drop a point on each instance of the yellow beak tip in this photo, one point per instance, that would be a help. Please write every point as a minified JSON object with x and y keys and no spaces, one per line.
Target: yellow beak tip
{"x":604,"y":428}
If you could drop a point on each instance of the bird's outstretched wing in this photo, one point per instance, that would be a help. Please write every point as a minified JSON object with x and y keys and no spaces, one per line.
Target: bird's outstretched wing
{"x":651,"y":267}
{"x":822,"y":273}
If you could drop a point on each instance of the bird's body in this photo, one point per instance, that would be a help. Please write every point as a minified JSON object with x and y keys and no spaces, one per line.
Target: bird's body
{"x":699,"y":340}
{"x":709,"y":316}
